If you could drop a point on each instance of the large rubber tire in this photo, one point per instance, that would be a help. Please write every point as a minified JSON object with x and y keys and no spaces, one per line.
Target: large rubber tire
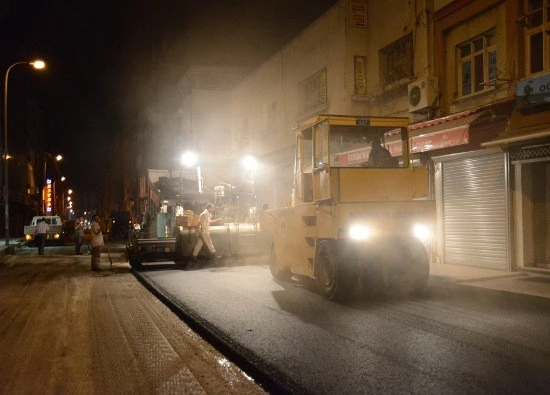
{"x":278,"y":273}
{"x":133,"y":260}
{"x":418,"y":265}
{"x":335,"y":276}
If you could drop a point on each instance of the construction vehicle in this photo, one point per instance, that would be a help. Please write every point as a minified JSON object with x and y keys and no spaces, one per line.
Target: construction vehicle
{"x":55,"y":234}
{"x":354,"y":222}
{"x":231,"y":240}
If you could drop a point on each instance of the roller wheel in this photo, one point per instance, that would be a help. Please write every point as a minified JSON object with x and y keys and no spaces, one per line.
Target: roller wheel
{"x":418,"y":266}
{"x":278,"y":273}
{"x":334,"y":275}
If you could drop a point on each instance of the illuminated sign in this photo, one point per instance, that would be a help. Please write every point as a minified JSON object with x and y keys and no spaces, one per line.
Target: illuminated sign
{"x":48,"y":196}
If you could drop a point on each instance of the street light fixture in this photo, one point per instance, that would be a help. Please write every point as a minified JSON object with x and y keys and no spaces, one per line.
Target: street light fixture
{"x":37,"y":64}
{"x":189,"y":159}
{"x":249,"y":163}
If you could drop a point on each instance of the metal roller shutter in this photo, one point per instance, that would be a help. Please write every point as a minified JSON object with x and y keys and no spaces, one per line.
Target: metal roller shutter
{"x":475,"y":212}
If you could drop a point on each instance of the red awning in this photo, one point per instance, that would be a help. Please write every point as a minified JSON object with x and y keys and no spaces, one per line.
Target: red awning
{"x":443,"y":132}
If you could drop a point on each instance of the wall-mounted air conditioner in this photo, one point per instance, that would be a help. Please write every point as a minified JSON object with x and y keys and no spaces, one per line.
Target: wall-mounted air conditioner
{"x":422,"y":95}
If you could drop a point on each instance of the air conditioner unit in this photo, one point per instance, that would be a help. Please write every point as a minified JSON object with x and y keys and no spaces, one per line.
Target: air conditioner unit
{"x":422,"y":95}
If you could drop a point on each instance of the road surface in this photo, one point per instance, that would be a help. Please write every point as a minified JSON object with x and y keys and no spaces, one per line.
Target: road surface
{"x":454,"y":339}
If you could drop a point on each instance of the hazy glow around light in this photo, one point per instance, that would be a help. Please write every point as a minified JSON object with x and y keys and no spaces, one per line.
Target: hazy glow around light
{"x":249,"y":162}
{"x":360,"y":232}
{"x":189,"y":159}
{"x":422,"y":232}
{"x":38,"y":64}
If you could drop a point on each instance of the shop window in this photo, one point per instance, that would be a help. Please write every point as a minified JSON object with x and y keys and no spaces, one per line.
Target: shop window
{"x":314,"y":90}
{"x":476,"y":64}
{"x":537,"y":30}
{"x":396,"y":60}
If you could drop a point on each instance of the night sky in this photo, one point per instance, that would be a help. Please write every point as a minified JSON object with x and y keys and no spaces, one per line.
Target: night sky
{"x":92,"y":47}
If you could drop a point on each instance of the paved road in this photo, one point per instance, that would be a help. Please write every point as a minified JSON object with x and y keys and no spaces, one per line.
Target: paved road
{"x":455,"y":339}
{"x":64,"y":329}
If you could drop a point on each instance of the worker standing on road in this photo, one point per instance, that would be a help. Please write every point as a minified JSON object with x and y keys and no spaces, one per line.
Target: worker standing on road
{"x":203,"y":233}
{"x":79,"y":234}
{"x":40,"y":235}
{"x":97,"y":242}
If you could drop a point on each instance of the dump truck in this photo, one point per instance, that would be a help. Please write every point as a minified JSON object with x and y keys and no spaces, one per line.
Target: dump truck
{"x":54,"y":236}
{"x":360,"y":216}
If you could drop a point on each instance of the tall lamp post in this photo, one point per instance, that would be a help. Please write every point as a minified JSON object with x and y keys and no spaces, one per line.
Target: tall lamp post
{"x":189,"y":159}
{"x":37,"y":64}
{"x":250,"y":164}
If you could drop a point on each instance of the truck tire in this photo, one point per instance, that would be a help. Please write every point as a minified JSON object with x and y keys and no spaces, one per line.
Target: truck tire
{"x":418,"y":265}
{"x":277,"y":273}
{"x":133,"y":259}
{"x":335,"y":276}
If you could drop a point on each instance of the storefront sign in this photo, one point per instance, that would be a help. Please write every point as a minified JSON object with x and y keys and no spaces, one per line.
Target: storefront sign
{"x":354,"y":157}
{"x":48,"y":196}
{"x":533,"y":93}
{"x":358,"y":13}
{"x":442,"y":139}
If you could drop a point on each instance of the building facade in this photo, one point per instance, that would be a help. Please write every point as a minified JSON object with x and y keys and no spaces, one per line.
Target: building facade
{"x":472,"y":76}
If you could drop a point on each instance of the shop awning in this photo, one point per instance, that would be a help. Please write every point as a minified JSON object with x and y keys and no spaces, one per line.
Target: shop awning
{"x":524,"y":129}
{"x":443,"y":132}
{"x":541,"y":134}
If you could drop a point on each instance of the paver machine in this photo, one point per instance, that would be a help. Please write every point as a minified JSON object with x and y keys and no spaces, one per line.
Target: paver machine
{"x":360,"y":216}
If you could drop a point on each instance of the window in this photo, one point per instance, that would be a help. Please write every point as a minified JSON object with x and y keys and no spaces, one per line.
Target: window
{"x":314,"y":90}
{"x":477,"y":64}
{"x":360,"y":74}
{"x":396,"y":60}
{"x":537,"y":28}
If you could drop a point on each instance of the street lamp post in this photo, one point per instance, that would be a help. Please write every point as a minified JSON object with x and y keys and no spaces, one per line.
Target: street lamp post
{"x":189,"y":159}
{"x":249,"y":163}
{"x":37,"y":64}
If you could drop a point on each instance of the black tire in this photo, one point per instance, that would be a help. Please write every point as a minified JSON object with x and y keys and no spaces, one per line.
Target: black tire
{"x":335,"y":276}
{"x":418,"y":266}
{"x":132,"y":259}
{"x":278,"y":273}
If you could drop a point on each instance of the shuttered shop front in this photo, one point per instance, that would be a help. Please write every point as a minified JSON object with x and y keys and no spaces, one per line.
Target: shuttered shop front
{"x":474,"y":209}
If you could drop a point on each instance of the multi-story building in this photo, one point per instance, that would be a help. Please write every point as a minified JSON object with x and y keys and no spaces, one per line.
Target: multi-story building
{"x":472,"y":76}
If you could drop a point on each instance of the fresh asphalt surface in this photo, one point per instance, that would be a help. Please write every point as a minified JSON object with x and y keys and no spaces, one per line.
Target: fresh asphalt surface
{"x":454,"y":339}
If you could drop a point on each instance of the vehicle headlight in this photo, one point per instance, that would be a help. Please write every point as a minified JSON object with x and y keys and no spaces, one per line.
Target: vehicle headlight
{"x":28,"y":237}
{"x":422,"y":232}
{"x":360,"y":232}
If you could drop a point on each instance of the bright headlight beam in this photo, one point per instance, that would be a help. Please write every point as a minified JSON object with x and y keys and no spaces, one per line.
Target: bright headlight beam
{"x":422,"y":232}
{"x":360,"y":232}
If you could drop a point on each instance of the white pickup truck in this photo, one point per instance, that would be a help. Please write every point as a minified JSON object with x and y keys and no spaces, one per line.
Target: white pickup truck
{"x":55,"y":234}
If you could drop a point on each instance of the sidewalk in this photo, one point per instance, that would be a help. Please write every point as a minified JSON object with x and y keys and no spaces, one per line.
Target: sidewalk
{"x":524,"y":282}
{"x":66,"y":329}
